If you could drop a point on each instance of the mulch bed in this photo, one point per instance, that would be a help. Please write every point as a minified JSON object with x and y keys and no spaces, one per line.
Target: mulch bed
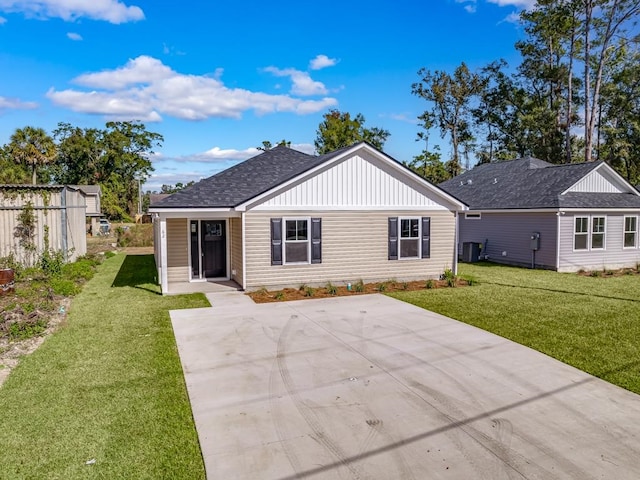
{"x":305,"y":292}
{"x":609,"y":273}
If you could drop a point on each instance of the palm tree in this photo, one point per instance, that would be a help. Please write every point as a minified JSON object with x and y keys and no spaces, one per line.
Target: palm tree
{"x":33,"y":147}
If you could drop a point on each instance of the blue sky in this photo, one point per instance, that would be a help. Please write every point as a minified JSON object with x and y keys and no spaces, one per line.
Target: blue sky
{"x":218,"y":78}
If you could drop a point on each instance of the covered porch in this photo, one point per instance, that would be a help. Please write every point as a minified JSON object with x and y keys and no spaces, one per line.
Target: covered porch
{"x":199,"y":250}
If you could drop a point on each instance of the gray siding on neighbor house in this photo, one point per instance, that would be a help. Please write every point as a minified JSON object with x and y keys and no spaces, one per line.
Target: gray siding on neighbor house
{"x":613,"y":256}
{"x":509,"y":236}
{"x":354,"y":247}
{"x":177,"y":250}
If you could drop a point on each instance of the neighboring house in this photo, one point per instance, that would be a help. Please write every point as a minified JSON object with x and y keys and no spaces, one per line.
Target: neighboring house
{"x":59,"y":214}
{"x":585,"y":215}
{"x":285,"y":218}
{"x":92,"y":195}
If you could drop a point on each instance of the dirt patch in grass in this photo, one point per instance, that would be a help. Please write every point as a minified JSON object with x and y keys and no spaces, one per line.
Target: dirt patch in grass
{"x":304,"y":292}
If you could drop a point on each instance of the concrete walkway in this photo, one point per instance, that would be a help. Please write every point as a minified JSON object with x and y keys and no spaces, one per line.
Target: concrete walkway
{"x":371,"y":387}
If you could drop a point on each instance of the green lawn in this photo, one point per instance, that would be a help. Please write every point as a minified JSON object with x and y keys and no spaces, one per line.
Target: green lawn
{"x":588,"y":322}
{"x":108,"y":386}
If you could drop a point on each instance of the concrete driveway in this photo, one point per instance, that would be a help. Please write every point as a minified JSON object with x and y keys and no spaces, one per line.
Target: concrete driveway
{"x":371,"y":387}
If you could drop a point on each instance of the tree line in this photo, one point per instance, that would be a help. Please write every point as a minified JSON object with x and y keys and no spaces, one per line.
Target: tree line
{"x":116,"y":157}
{"x":575,"y":96}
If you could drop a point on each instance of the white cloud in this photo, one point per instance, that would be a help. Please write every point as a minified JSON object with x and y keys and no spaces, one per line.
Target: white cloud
{"x":404,"y":117}
{"x":471,"y":8}
{"x":217,"y":153}
{"x":74,"y":36}
{"x":113,"y":11}
{"x":513,"y":17}
{"x":3,"y":20}
{"x":302,"y":83}
{"x":145,"y":88}
{"x":16,"y":104}
{"x":322,"y":61}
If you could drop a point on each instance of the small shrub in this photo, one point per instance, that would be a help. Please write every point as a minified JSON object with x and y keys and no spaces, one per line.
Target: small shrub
{"x":62,"y":286}
{"x":450,"y":277}
{"x":309,"y":291}
{"x":381,"y":287}
{"x":109,"y":254}
{"x":10,"y":261}
{"x":596,"y":273}
{"x":302,"y":287}
{"x":430,"y":284}
{"x":358,"y":286}
{"x":404,"y":286}
{"x":331,"y":289}
{"x":628,"y":271}
{"x":80,"y":270}
{"x":262,"y":291}
{"x":279,"y":295}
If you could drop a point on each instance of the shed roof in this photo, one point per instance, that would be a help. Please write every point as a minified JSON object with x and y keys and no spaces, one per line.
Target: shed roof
{"x":530,"y":183}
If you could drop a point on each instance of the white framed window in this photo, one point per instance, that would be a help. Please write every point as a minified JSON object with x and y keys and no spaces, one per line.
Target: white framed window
{"x":297,"y":243}
{"x":581,"y":233}
{"x":410,"y":237}
{"x":473,"y":216}
{"x":630,"y":232}
{"x":598,"y":227}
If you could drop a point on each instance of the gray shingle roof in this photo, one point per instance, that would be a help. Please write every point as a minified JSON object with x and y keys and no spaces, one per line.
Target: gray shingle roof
{"x":530,"y":183}
{"x":246,"y":180}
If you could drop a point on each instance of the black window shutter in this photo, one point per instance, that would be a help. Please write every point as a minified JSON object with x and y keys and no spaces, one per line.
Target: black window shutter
{"x":393,"y":238}
{"x":316,"y":240}
{"x":426,"y":237}
{"x":276,"y":241}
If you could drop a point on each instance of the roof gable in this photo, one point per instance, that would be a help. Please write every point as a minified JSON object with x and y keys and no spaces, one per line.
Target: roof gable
{"x":261,"y":178}
{"x":531,"y":183}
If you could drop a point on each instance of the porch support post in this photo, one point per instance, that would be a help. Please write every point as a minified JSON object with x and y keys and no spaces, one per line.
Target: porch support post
{"x":164,"y":280}
{"x":244,"y":251}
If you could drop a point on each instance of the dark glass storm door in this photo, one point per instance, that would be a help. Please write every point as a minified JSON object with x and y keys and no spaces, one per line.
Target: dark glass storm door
{"x":208,"y":249}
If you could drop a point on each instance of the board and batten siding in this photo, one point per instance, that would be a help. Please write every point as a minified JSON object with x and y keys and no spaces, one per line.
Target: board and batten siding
{"x":177,"y":250}
{"x":613,"y":256}
{"x":597,"y":182}
{"x":508,"y":237}
{"x":356,"y":182}
{"x":354,"y":247}
{"x":48,"y":211}
{"x":235,"y":227}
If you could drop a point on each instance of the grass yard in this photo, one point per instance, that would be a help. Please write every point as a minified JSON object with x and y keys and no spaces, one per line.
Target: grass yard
{"x":591,"y":323}
{"x":104,"y":397}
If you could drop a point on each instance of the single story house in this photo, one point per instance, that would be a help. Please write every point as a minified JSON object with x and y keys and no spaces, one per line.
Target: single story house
{"x":562,"y":217}
{"x":285,"y":218}
{"x":59,"y":219}
{"x":92,"y":194}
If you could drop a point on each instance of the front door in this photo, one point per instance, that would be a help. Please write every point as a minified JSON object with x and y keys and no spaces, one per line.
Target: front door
{"x":208,"y":249}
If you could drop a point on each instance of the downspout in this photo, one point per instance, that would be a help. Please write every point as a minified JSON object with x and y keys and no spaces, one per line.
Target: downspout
{"x":63,"y":221}
{"x":455,"y":245}
{"x":244,"y":254}
{"x":558,"y":240}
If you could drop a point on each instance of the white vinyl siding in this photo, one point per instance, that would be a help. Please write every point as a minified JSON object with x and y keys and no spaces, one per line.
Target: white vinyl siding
{"x":355,"y":183}
{"x":354,"y":247}
{"x":630,"y":232}
{"x":600,"y":181}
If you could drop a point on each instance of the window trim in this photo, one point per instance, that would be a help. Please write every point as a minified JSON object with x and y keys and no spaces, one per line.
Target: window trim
{"x":603,"y":233}
{"x":285,"y":241}
{"x":585,"y":233}
{"x":418,"y":238}
{"x":625,"y":232}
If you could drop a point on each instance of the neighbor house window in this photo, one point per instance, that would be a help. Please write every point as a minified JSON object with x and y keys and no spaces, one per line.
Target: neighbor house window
{"x":597,"y":232}
{"x":296,"y":240}
{"x":630,"y":231}
{"x":409,"y":237}
{"x":581,"y":234}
